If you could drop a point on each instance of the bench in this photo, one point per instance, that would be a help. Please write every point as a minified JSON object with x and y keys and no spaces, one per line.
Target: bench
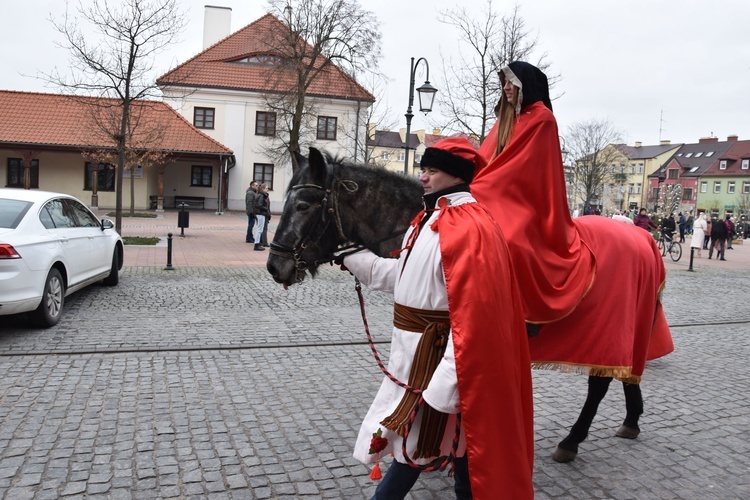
{"x":190,"y":201}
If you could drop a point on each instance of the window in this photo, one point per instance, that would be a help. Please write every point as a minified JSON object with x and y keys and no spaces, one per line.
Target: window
{"x":730,"y":187}
{"x":746,"y":188}
{"x":263,"y":173}
{"x":260,"y":60}
{"x":203,"y":117}
{"x":717,"y":187}
{"x":265,"y":123}
{"x":327,"y":128}
{"x":687,"y":194}
{"x":672,"y":173}
{"x":723,"y":165}
{"x":15,"y":173}
{"x":385,"y":156}
{"x":640,"y":168}
{"x":688,"y":155}
{"x":699,"y":154}
{"x":638,"y":188}
{"x":631,"y":188}
{"x":612,"y":169}
{"x":105,"y":177}
{"x":655,"y":193}
{"x":745,"y":164}
{"x":710,"y":153}
{"x":632,"y":168}
{"x":201,"y":176}
{"x":402,"y":156}
{"x":704,"y":187}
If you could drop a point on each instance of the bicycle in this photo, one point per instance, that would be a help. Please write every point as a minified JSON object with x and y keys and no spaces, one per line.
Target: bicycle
{"x":667,"y":245}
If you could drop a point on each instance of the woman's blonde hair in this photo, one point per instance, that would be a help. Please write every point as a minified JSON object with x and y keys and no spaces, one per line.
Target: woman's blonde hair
{"x":506,"y":114}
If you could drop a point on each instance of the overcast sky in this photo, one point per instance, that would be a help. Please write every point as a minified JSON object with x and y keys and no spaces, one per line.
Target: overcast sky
{"x":658,"y":70}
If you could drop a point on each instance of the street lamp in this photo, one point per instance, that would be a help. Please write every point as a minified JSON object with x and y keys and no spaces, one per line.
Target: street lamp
{"x":662,"y":177}
{"x":426,"y":97}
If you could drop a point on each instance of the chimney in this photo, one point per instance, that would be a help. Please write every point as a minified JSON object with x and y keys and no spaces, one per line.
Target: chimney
{"x":638,"y":144}
{"x":665,"y":142}
{"x":217,"y":23}
{"x":706,"y":140}
{"x":732,"y":138}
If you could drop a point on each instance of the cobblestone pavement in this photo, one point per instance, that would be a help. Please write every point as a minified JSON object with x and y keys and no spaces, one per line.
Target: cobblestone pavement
{"x":208,"y":382}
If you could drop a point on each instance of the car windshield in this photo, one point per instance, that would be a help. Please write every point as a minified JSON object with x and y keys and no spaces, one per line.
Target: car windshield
{"x":12,"y":212}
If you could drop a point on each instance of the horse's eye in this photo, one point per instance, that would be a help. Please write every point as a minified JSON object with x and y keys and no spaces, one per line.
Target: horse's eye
{"x":302,"y":206}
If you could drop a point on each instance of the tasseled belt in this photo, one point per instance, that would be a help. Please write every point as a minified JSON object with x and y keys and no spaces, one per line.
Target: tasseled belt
{"x":434,"y":327}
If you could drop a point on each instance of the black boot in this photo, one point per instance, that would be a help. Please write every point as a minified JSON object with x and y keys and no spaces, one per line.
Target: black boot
{"x":258,"y":247}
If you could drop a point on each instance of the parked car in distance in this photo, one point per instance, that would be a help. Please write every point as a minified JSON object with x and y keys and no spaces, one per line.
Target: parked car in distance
{"x":51,"y":245}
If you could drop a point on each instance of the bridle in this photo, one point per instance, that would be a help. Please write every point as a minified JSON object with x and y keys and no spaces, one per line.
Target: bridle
{"x":328,"y":212}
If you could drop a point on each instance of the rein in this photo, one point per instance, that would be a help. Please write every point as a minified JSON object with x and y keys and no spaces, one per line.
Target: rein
{"x":438,"y":463}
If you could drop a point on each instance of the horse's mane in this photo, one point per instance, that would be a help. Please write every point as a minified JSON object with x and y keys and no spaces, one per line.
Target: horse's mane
{"x":379,"y":174}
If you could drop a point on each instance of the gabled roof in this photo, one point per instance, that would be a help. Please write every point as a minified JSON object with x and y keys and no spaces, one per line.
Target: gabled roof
{"x":737,"y":151}
{"x":388,"y":139}
{"x":217,"y":67}
{"x":645,"y":152}
{"x":60,"y":121}
{"x":697,"y":158}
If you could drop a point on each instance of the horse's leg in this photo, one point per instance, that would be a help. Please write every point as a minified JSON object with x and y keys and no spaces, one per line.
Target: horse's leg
{"x":568,"y":448}
{"x":634,"y":409}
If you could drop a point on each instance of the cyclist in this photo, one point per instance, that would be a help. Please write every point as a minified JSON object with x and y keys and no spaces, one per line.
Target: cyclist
{"x":668,"y":227}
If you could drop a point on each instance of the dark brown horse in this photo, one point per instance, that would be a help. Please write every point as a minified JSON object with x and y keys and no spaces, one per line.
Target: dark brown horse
{"x":331,"y":203}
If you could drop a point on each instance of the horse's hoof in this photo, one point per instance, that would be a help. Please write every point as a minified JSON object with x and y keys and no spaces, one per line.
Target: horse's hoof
{"x":561,"y":455}
{"x":627,"y":432}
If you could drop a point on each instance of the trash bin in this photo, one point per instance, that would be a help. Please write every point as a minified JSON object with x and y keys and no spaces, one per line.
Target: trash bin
{"x":183,"y":219}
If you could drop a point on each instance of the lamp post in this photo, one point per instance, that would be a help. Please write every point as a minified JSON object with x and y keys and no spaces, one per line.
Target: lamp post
{"x":426,"y":92}
{"x":662,"y":177}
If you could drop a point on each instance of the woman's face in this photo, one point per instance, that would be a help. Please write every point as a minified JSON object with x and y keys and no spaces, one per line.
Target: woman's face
{"x":510,"y":92}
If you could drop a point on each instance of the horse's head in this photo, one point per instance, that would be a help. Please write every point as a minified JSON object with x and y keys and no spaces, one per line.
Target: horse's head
{"x":306,"y":234}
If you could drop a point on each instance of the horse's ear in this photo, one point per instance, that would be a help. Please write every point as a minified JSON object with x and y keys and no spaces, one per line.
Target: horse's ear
{"x":318,"y":166}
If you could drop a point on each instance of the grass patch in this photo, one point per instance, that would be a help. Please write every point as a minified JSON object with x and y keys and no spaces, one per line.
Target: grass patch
{"x":140,"y":240}
{"x":144,"y":215}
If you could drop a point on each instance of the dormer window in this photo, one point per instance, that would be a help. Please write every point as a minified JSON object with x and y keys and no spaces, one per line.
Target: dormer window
{"x":745,"y":163}
{"x":722,"y":165}
{"x":266,"y":60}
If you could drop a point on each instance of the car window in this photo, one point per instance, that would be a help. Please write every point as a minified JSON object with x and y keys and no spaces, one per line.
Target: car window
{"x":60,"y":214}
{"x":12,"y":212}
{"x":85,"y":218}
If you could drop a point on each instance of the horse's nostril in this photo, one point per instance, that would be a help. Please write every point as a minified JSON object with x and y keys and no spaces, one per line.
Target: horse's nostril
{"x":272,"y":269}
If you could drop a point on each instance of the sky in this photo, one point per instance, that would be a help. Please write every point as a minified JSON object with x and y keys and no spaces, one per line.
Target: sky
{"x":676,"y":70}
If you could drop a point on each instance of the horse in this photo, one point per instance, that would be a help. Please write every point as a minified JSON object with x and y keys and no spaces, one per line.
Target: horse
{"x":331,"y":203}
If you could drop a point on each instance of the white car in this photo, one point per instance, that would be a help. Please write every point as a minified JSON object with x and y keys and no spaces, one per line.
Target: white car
{"x":51,"y":245}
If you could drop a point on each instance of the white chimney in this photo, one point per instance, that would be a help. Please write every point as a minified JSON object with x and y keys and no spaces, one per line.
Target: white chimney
{"x":217,"y":24}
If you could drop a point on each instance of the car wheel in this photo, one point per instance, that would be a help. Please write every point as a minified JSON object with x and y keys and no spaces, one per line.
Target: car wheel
{"x":50,"y":309}
{"x":114,"y":272}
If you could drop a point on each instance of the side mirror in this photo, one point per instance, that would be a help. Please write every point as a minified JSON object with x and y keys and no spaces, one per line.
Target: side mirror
{"x":107,"y":224}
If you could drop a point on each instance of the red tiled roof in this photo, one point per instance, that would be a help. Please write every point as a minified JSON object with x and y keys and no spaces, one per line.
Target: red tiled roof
{"x":35,"y":119}
{"x":212,"y":67}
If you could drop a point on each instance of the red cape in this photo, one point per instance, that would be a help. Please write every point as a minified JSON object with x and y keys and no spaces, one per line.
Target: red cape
{"x":491,"y":352}
{"x":524,"y":189}
{"x":592,"y":281}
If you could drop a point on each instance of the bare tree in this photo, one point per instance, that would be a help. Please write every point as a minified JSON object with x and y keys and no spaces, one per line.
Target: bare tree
{"x":377,"y":116}
{"x":487,"y":42}
{"x":116,"y":63}
{"x":591,"y":145}
{"x":319,"y":34}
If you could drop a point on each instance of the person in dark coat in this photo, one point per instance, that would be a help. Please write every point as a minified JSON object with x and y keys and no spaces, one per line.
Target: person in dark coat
{"x":730,"y":231}
{"x":668,"y":226}
{"x":718,"y":239}
{"x":682,"y":224}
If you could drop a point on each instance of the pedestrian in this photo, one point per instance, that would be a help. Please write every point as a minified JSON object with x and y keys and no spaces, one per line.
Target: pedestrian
{"x":718,"y":239}
{"x":682,"y":224}
{"x":731,"y":233}
{"x":642,"y":220}
{"x":668,"y":227}
{"x":262,"y":206}
{"x":250,"y":209}
{"x":689,"y":224}
{"x":707,"y":237}
{"x":700,"y":228}
{"x":458,"y":336}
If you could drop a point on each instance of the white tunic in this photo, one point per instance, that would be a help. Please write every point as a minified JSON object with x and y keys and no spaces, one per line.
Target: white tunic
{"x":422,"y":286}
